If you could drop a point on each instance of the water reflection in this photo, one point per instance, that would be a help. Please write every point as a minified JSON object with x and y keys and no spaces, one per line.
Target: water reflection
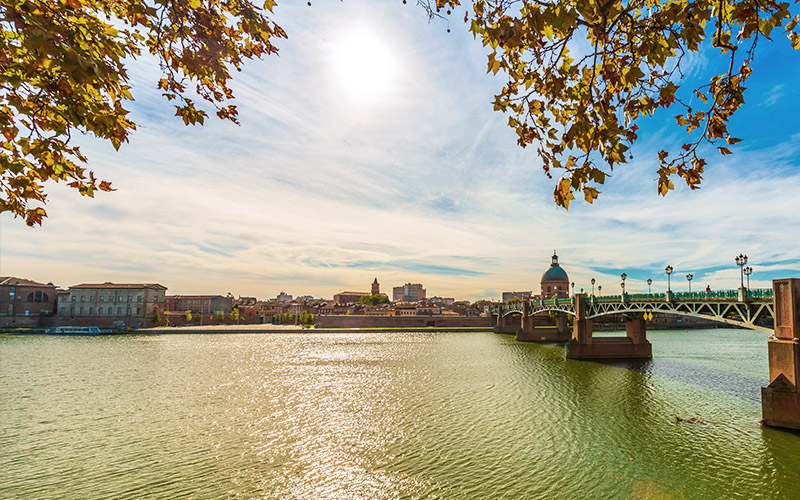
{"x":447,"y":415}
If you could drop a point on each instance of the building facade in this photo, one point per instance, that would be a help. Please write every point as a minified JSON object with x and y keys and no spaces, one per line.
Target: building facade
{"x":516,"y":295}
{"x":410,"y":292}
{"x":119,"y":305}
{"x":203,"y":304}
{"x":348,"y":297}
{"x":26,"y":303}
{"x":376,"y":287}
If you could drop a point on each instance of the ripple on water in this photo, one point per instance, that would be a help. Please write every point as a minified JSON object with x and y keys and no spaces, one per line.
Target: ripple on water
{"x":379,"y":416}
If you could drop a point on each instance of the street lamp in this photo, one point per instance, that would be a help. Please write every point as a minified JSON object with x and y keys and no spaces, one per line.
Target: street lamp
{"x":649,"y":282}
{"x":741,"y":261}
{"x":600,"y":290}
{"x":689,"y":279}
{"x":668,"y":270}
{"x":624,"y":277}
{"x":592,"y":287}
{"x":747,"y":272}
{"x":573,"y":288}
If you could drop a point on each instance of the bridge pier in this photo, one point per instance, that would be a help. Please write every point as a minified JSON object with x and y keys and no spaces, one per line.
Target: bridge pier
{"x":780,"y":400}
{"x":506,"y":323}
{"x":583,"y":346}
{"x":542,"y":332}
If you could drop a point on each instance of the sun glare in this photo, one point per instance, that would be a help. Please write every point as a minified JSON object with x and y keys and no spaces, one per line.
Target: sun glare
{"x":364,"y":64}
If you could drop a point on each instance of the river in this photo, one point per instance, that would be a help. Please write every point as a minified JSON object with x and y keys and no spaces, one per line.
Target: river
{"x":386,"y":416}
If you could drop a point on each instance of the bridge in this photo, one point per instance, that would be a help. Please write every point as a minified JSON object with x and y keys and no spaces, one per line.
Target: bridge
{"x":775,"y":310}
{"x":753,"y":311}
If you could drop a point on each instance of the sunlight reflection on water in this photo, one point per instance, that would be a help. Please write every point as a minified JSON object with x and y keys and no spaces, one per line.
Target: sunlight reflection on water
{"x":389,"y":415}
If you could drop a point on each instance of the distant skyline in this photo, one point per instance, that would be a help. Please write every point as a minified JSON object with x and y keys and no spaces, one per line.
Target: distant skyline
{"x":369,"y":148}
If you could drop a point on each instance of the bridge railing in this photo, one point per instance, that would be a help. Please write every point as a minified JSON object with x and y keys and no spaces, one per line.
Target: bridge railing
{"x":714,"y":294}
{"x":753,"y":293}
{"x":607,"y":298}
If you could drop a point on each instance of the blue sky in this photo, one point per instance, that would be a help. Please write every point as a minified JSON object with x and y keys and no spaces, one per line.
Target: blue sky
{"x":369,"y":148}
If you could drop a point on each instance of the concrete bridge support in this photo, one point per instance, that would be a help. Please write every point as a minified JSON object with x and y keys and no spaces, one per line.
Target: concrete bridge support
{"x":541,"y":329}
{"x":583,"y":346}
{"x":780,"y":400}
{"x":507,"y":323}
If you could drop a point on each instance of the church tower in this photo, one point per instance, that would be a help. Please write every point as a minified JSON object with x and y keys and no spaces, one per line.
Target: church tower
{"x":376,"y":287}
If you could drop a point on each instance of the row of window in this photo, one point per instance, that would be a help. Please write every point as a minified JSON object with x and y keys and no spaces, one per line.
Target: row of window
{"x":110,"y":298}
{"x":38,"y":297}
{"x":101,"y":310}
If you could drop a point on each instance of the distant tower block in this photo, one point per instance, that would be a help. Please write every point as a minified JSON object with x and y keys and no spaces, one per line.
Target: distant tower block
{"x":376,"y":287}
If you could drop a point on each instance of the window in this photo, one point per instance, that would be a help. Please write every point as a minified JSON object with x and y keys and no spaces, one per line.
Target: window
{"x":139,"y":298}
{"x":138,"y":311}
{"x":80,"y":311}
{"x":110,"y":311}
{"x":72,"y":310}
{"x":100,"y":310}
{"x":111,"y":298}
{"x":91,"y":298}
{"x":63,"y":310}
{"x":119,"y":299}
{"x":91,"y":310}
{"x":102,"y":298}
{"x":37,"y":297}
{"x":83,"y":298}
{"x":72,"y":298}
{"x":130,"y":298}
{"x":119,"y":310}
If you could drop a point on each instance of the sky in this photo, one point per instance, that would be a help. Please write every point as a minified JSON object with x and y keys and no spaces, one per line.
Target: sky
{"x":369,"y":148}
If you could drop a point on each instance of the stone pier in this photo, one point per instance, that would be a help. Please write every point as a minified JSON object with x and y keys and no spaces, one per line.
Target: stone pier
{"x":780,"y":400}
{"x":540,"y":329}
{"x":508,"y":324}
{"x":583,"y":346}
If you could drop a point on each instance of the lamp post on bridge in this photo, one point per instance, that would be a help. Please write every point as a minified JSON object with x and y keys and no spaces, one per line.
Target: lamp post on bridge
{"x":649,"y":282}
{"x":600,"y":290}
{"x":624,"y":277}
{"x":593,"y":281}
{"x":689,"y":279}
{"x":747,"y":272}
{"x":741,"y":261}
{"x":668,"y":270}
{"x":573,"y":288}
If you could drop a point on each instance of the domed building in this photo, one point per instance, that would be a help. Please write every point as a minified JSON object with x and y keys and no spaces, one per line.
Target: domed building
{"x":555,"y":282}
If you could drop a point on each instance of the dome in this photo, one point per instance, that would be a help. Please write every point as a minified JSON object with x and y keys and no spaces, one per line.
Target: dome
{"x":555,"y":273}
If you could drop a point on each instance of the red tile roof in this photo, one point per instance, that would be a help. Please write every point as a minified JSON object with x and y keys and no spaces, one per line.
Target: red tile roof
{"x":108,"y":284}
{"x":12,"y":281}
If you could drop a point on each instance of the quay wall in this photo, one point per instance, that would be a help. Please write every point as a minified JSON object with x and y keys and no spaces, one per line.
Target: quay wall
{"x":401,"y":321}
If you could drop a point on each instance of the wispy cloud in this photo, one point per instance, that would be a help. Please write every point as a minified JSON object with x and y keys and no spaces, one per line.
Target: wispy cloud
{"x":321,"y":190}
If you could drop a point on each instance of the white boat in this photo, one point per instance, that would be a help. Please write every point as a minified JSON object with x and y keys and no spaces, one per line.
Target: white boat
{"x":74,"y":330}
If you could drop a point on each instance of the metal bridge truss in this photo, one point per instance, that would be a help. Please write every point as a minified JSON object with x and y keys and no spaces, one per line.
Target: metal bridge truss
{"x":746,"y":314}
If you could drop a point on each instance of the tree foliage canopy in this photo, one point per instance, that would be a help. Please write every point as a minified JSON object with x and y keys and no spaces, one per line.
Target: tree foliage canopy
{"x":62,"y":71}
{"x":373,"y":300}
{"x":580,"y":73}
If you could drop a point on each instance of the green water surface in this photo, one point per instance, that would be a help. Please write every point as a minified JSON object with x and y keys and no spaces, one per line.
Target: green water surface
{"x":385,"y":416}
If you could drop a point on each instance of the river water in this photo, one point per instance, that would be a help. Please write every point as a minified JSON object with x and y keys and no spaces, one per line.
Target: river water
{"x":385,"y":416}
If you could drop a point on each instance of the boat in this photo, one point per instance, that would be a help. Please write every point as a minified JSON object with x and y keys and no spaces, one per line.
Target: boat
{"x":74,"y":330}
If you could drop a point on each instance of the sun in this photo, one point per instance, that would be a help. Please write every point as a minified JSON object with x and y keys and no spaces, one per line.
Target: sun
{"x":364,"y":64}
